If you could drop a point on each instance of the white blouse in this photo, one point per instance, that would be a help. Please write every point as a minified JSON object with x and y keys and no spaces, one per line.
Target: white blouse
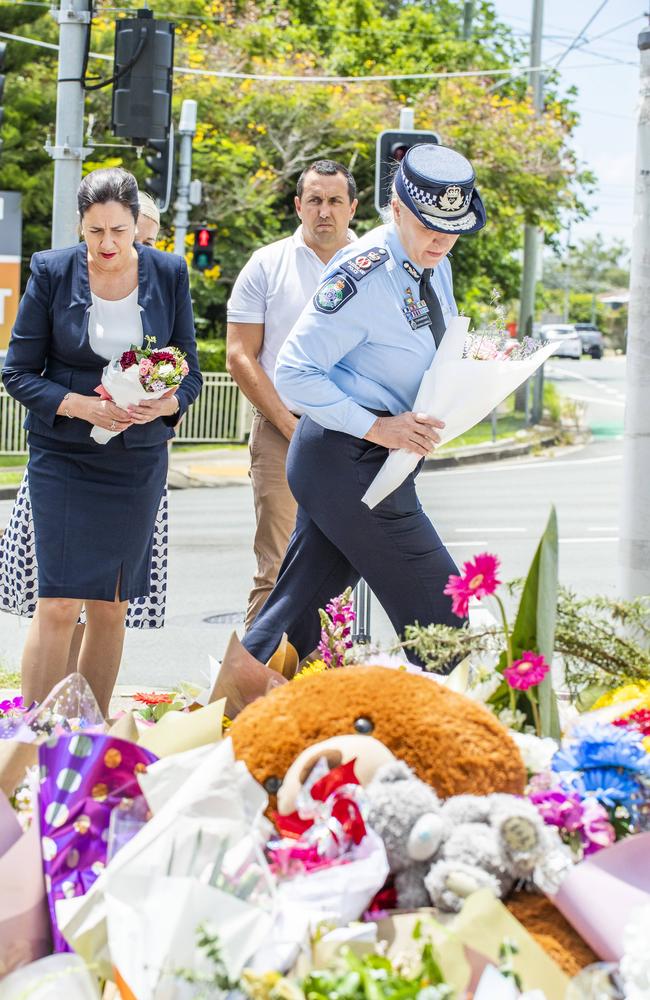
{"x":113,"y":325}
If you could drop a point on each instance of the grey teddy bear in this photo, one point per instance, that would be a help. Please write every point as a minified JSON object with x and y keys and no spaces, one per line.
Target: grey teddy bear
{"x":441,"y":852}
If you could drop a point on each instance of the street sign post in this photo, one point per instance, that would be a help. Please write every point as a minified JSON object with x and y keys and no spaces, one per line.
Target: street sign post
{"x":11,"y":227}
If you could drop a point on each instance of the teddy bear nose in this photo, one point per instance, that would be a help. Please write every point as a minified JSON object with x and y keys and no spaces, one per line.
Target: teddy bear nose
{"x":424,"y":838}
{"x":272,"y":784}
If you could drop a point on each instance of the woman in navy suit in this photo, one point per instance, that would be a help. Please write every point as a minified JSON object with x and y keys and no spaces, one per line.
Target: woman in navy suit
{"x":94,"y":506}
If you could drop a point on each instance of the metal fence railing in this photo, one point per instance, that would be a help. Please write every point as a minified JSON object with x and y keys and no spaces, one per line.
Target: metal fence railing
{"x":221,"y":415}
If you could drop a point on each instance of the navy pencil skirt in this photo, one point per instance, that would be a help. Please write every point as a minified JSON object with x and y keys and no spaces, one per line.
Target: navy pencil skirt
{"x":94,"y":509}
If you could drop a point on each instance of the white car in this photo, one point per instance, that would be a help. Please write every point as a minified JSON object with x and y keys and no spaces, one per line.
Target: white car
{"x":569,"y":343}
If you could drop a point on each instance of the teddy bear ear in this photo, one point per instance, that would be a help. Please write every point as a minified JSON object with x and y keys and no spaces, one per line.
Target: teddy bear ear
{"x":395,"y":771}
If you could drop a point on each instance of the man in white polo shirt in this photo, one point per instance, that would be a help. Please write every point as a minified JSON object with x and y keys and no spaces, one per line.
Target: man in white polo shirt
{"x":267,"y":299}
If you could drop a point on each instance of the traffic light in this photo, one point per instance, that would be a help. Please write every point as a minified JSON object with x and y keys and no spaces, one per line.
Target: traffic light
{"x":160,"y":161}
{"x":392,"y":147}
{"x":142,"y":89}
{"x":203,"y":256}
{"x":3,"y":52}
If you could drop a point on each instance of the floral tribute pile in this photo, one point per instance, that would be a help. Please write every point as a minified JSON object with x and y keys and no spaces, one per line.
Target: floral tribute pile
{"x":139,"y":859}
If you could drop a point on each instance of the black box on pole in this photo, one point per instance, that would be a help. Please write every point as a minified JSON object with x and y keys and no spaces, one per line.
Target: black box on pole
{"x":142,"y":91}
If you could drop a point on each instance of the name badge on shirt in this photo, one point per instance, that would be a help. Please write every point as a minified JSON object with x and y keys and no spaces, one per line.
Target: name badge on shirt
{"x":417,"y":313}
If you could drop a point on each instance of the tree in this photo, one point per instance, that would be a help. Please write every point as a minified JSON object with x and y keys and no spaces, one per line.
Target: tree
{"x":255,"y":136}
{"x":589,"y":266}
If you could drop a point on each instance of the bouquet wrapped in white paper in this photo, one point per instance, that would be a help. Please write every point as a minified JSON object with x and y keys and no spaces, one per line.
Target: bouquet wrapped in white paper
{"x":139,"y":373}
{"x":468,"y":377}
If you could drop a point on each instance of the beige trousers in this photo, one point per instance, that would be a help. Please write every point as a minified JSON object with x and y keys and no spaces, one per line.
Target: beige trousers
{"x":275,"y":508}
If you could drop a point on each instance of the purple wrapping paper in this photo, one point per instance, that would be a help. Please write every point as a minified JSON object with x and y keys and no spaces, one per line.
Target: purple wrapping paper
{"x":84,"y":776}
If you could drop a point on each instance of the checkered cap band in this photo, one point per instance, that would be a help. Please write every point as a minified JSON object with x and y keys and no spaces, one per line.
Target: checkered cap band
{"x":429,"y":201}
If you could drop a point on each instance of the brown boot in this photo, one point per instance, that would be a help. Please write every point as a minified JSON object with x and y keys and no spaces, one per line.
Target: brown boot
{"x":242,"y":678}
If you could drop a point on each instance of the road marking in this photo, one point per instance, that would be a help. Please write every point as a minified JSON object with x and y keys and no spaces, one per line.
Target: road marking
{"x":495,"y":467}
{"x":607,"y":527}
{"x":581,"y":378}
{"x":599,"y":402}
{"x":488,"y":530}
{"x":589,"y":541}
{"x":474,"y":543}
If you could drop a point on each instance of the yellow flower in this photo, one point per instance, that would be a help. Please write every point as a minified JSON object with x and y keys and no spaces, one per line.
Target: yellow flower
{"x":315,"y":667}
{"x":213,"y":272}
{"x":628,"y":692}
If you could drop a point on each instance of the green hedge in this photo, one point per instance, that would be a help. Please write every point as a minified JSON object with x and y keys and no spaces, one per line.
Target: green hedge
{"x":212,"y":355}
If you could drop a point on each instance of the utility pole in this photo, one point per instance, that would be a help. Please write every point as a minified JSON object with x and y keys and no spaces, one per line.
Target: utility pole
{"x":531,"y":233}
{"x":468,"y":16}
{"x":183,"y":203}
{"x":634,"y":548}
{"x":567,"y":277}
{"x":68,"y":153}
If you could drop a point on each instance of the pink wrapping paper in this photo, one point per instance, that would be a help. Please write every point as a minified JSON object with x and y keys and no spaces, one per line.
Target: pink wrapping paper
{"x":24,"y":920}
{"x":597,"y":895}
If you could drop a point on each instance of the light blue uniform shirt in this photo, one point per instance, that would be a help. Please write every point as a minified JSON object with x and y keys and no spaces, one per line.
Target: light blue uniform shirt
{"x":353,"y":349}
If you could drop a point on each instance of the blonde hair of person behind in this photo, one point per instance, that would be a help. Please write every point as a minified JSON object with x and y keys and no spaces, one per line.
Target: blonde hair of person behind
{"x":148,"y":207}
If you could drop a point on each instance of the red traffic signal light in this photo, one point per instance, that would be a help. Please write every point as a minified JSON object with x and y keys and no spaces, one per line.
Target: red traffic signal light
{"x":392,"y":147}
{"x":203,"y":256}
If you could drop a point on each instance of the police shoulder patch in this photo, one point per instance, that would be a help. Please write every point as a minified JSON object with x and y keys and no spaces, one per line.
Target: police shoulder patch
{"x":361,"y":265}
{"x":334,"y":293}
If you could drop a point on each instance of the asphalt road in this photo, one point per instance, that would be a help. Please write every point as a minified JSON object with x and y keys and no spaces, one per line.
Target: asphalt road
{"x":500,"y":507}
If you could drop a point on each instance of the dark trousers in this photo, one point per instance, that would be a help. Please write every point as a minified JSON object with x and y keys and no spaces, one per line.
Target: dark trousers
{"x":338,"y":539}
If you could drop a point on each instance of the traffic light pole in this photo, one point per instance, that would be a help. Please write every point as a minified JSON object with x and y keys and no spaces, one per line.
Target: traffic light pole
{"x":531,"y":233}
{"x":182,"y":205}
{"x":68,"y":152}
{"x":634,"y":551}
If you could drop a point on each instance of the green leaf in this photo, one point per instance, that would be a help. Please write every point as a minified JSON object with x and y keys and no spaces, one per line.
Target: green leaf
{"x":534,"y":626}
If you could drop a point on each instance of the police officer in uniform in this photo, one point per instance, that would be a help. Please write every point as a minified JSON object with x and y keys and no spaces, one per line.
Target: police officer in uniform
{"x":353,"y":364}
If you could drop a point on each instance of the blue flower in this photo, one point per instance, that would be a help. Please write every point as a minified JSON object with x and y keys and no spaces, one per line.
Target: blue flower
{"x":612,"y":786}
{"x":603,"y":746}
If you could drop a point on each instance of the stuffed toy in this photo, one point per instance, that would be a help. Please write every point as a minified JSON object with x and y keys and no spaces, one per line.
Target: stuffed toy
{"x":406,"y":813}
{"x":367,"y":753}
{"x":451,"y":743}
{"x":441,"y":852}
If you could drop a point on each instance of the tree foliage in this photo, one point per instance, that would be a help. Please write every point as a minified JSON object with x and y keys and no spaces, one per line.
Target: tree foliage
{"x":255,"y":136}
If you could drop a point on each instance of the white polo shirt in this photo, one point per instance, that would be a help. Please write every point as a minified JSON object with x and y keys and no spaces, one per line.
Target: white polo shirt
{"x":273,"y":288}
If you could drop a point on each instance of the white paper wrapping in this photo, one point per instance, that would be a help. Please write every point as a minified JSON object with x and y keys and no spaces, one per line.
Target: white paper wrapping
{"x":125,"y":390}
{"x":459,"y":391}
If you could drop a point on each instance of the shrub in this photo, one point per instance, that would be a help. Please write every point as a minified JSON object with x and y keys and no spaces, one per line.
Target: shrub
{"x":212,"y":355}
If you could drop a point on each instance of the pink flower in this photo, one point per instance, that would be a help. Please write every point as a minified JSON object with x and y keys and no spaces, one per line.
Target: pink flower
{"x":597,"y":831}
{"x":557,"y":807}
{"x":479,"y":579}
{"x":184,"y":368}
{"x":526,"y":672}
{"x":145,"y":366}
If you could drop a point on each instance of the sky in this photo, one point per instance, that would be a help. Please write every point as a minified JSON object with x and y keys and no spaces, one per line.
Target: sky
{"x":606,"y":72}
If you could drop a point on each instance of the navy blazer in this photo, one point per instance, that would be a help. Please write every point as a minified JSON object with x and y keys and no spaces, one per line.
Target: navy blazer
{"x":49,"y":352}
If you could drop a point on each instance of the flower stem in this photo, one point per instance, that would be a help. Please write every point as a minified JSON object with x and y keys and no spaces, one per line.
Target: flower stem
{"x":506,"y":630}
{"x":533,"y":704}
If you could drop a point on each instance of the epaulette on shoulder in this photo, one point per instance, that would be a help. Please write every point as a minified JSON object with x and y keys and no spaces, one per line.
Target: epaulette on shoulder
{"x":365,"y":263}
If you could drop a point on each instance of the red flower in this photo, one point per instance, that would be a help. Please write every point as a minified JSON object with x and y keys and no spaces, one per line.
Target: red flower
{"x":128,"y":359}
{"x":639,"y":719}
{"x":526,"y":672}
{"x":479,"y":579}
{"x":162,"y":357}
{"x":153,"y":698}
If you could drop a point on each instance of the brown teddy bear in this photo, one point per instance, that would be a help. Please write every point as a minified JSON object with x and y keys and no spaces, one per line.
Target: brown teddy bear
{"x":452,"y":743}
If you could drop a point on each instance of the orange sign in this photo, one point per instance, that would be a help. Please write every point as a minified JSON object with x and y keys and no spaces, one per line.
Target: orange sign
{"x":9,"y":295}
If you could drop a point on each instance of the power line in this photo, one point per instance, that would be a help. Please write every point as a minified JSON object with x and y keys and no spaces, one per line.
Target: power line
{"x":581,"y":33}
{"x":512,"y":72}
